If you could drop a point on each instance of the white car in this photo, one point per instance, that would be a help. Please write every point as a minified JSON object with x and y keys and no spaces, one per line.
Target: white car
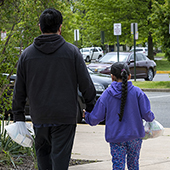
{"x":91,"y":53}
{"x":143,"y":50}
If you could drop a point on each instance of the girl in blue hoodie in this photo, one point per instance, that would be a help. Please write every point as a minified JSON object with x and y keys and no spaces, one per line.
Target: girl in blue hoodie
{"x":122,"y":106}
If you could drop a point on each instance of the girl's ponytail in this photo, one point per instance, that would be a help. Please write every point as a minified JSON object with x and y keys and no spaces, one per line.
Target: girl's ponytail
{"x":121,"y":71}
{"x":124,"y":76}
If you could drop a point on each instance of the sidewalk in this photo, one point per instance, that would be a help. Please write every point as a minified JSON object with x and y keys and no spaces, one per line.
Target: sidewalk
{"x":90,"y":144}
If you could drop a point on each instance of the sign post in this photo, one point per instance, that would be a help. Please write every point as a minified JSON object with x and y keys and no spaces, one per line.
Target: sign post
{"x":76,"y":36}
{"x":134,"y":31}
{"x":117,"y":32}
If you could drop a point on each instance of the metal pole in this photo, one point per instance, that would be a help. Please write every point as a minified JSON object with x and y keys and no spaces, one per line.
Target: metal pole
{"x":76,"y":39}
{"x":134,"y":51}
{"x":117,"y":48}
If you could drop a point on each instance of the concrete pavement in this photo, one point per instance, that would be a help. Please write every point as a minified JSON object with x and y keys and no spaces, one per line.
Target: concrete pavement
{"x":90,"y":144}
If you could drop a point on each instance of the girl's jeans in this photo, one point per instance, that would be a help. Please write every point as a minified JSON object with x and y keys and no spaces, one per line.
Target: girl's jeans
{"x":129,"y":148}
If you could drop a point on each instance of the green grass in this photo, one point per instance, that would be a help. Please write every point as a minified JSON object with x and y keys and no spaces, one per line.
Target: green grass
{"x":162,"y":65}
{"x":152,"y":84}
{"x":160,"y":54}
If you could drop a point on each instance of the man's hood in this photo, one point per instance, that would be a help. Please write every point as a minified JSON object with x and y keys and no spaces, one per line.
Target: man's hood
{"x":48,"y":43}
{"x":116,"y":88}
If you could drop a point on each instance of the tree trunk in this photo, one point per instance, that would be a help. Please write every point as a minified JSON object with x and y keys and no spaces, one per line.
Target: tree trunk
{"x":150,"y":47}
{"x":150,"y":43}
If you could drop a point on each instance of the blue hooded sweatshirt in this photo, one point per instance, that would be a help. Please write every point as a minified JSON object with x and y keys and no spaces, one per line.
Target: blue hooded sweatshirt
{"x":107,"y":107}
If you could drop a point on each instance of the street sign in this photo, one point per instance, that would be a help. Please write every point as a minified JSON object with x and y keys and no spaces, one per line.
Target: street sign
{"x":76,"y":35}
{"x":3,"y":35}
{"x":136,"y":36}
{"x":117,"y":29}
{"x":136,"y":28}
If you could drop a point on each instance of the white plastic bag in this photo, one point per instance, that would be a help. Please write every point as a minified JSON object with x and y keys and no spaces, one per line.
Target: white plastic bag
{"x":152,"y":129}
{"x":19,"y":133}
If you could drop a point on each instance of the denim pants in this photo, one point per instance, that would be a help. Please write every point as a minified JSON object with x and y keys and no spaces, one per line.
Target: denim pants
{"x":131,"y":149}
{"x":53,"y":146}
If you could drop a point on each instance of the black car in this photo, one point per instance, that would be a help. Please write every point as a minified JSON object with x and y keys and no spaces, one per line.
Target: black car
{"x":101,"y":82}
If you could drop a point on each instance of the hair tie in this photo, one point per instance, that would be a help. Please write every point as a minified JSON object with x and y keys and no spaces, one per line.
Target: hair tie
{"x":123,"y":70}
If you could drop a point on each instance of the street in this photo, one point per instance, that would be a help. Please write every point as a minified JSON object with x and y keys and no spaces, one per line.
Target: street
{"x":160,"y":105}
{"x":158,"y":77}
{"x":161,"y":77}
{"x":160,"y":101}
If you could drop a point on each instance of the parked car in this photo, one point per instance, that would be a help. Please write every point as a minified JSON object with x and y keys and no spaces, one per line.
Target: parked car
{"x":145,"y":68}
{"x":101,"y":82}
{"x":143,"y":50}
{"x":91,"y":53}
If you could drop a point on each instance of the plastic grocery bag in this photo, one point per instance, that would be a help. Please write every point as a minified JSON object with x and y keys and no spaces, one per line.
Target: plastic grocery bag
{"x":20,"y":134}
{"x":152,"y":129}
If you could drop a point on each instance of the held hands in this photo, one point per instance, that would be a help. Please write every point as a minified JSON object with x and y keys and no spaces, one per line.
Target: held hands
{"x":84,"y":113}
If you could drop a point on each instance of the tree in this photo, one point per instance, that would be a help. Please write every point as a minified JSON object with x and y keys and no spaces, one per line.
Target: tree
{"x":161,"y":21}
{"x":100,"y":15}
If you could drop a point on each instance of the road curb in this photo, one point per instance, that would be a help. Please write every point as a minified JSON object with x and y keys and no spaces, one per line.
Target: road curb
{"x":162,"y":72}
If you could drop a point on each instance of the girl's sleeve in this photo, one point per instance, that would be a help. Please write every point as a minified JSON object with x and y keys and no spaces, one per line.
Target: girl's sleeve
{"x":97,"y":115}
{"x":145,"y":108}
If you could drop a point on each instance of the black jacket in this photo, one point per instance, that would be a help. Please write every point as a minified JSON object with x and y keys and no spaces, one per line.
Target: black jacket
{"x":49,"y":73}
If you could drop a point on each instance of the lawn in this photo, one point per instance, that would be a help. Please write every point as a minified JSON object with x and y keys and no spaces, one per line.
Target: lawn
{"x":162,"y":65}
{"x":160,"y":54}
{"x":152,"y":84}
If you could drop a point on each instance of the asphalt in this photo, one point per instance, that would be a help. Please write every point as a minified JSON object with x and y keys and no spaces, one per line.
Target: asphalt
{"x":90,"y":144}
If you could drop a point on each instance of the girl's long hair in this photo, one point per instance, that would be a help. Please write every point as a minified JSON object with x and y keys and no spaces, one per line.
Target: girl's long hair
{"x":121,"y":71}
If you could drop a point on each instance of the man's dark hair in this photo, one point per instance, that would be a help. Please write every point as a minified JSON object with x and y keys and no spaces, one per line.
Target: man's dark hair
{"x":50,"y":20}
{"x":121,"y":71}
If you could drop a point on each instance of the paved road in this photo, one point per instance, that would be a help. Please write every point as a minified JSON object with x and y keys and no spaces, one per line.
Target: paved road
{"x":162,"y":77}
{"x":160,"y":105}
{"x":158,"y":77}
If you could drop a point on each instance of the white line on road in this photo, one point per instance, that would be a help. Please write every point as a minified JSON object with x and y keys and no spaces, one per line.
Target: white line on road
{"x":159,"y":96}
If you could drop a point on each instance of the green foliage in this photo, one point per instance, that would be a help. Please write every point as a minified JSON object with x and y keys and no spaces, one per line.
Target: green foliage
{"x":160,"y":55}
{"x":100,"y":16}
{"x":8,"y":148}
{"x":161,"y":19}
{"x":11,"y":153}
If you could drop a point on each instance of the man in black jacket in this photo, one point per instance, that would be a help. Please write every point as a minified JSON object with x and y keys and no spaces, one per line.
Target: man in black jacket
{"x":49,"y":73}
